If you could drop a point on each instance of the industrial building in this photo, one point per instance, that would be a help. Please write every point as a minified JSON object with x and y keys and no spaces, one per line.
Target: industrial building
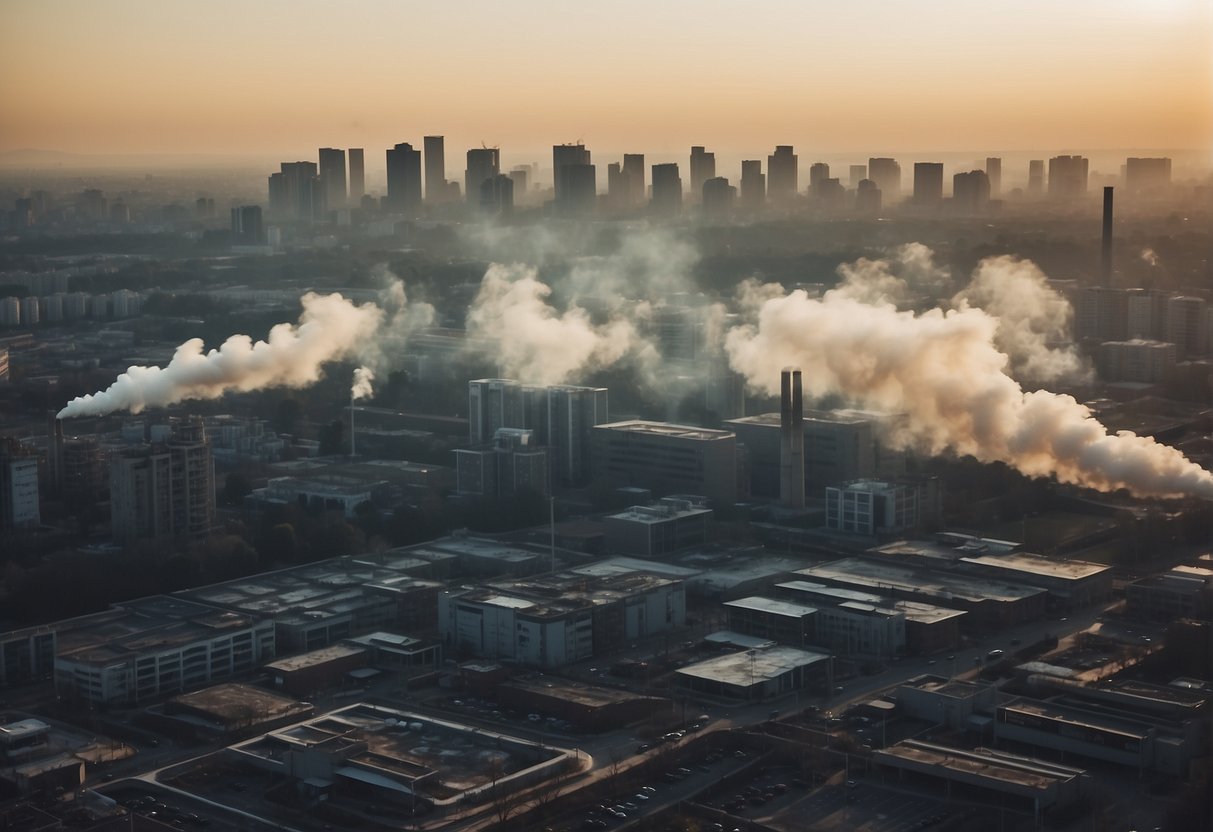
{"x":666,"y":458}
{"x":871,"y":507}
{"x":308,"y":673}
{"x":780,"y":621}
{"x":230,"y":708}
{"x":960,"y":705}
{"x":1071,"y":584}
{"x":757,"y":674}
{"x":588,"y":707}
{"x":657,"y":529}
{"x":27,"y":655}
{"x":1182,"y":592}
{"x":152,"y":647}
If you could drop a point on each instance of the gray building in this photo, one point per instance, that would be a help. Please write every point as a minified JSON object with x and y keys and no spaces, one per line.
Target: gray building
{"x":667,"y":458}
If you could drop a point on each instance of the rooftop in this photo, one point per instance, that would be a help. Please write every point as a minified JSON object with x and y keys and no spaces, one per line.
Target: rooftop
{"x":771,"y":606}
{"x":750,"y":667}
{"x":984,"y":764}
{"x":1070,"y":570}
{"x":667,"y":429}
{"x":313,"y":658}
{"x":921,"y":581}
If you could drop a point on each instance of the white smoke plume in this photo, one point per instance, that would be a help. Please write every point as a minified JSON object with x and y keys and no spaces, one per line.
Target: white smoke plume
{"x":364,"y":384}
{"x":943,"y":370}
{"x":1033,"y":320}
{"x":1149,"y":256}
{"x":329,"y":329}
{"x":533,"y":341}
{"x":908,"y":273}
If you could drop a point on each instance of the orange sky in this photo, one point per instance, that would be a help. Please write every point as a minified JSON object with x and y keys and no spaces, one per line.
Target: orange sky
{"x":282,"y":78}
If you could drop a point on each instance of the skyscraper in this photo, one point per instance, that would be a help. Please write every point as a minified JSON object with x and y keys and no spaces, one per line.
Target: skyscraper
{"x":633,"y":174}
{"x":497,"y":194}
{"x":404,"y":179}
{"x":357,"y":175}
{"x":782,"y":175}
{"x":818,"y":173}
{"x":971,"y":191}
{"x":753,"y":185}
{"x":295,"y":192}
{"x":1145,"y":174}
{"x":1067,"y":177}
{"x":483,"y":163}
{"x":867,"y":198}
{"x":576,"y":186}
{"x":886,"y":173}
{"x":1036,"y":177}
{"x":247,"y":228}
{"x":166,"y":489}
{"x":718,"y":198}
{"x":332,"y":177}
{"x":703,"y":168}
{"x":521,"y":177}
{"x":667,"y":190}
{"x":928,"y":183}
{"x":994,"y":172}
{"x":435,"y":169}
{"x":572,"y":414}
{"x":858,"y":173}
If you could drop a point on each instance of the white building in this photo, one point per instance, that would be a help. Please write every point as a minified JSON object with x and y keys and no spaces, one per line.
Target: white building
{"x":484,"y":622}
{"x":19,"y":493}
{"x":870,"y":507}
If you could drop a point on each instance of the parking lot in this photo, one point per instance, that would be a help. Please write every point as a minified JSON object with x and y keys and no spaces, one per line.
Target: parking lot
{"x":869,"y":808}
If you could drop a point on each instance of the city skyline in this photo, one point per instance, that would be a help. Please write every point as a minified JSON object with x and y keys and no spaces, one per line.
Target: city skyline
{"x":141,"y":78}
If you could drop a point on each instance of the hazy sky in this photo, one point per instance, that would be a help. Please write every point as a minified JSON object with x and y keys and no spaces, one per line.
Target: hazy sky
{"x":282,"y":78}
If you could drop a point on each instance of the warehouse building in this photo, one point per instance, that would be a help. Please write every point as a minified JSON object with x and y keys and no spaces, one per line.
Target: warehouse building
{"x":1071,"y":584}
{"x":755,"y":675}
{"x":781,"y":621}
{"x":658,"y":529}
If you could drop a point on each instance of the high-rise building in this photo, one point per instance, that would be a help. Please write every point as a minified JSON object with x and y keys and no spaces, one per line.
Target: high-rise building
{"x":753,"y":185}
{"x":404,"y":179}
{"x":667,"y":190}
{"x":19,"y":509}
{"x":867,"y":198}
{"x":435,"y":169}
{"x":1186,"y":326}
{"x":928,"y":183}
{"x":971,"y":191}
{"x":1036,"y":177}
{"x":247,"y":228}
{"x":497,"y":195}
{"x":483,"y":163}
{"x":718,"y":198}
{"x":857,"y":173}
{"x":296,"y":193}
{"x":617,"y":187}
{"x":1067,"y":177}
{"x":332,"y":177}
{"x":520,"y":175}
{"x":166,"y":489}
{"x":633,"y":174}
{"x":576,"y":186}
{"x":819,"y":172}
{"x":1147,"y":174}
{"x":886,"y":173}
{"x":994,"y":172}
{"x":782,"y":175}
{"x":357,"y":175}
{"x":572,"y":414}
{"x":703,"y":168}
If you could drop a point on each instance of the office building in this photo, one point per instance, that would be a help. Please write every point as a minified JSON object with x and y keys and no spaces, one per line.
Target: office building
{"x":19,"y":509}
{"x":667,"y":190}
{"x":867,"y":198}
{"x":1138,"y":361}
{"x":404,"y":180}
{"x":1182,"y":592}
{"x":886,"y":173}
{"x":819,"y":172}
{"x":782,"y":175}
{"x":1102,"y":312}
{"x":783,"y":622}
{"x":660,"y":528}
{"x":633,"y":176}
{"x":871,"y":507}
{"x":753,"y":186}
{"x":994,"y":174}
{"x":497,"y":195}
{"x":617,"y":187}
{"x":357,"y":175}
{"x":435,"y":169}
{"x":483,"y":163}
{"x":703,"y":168}
{"x":667,"y":458}
{"x":332,"y":177}
{"x":1036,"y":177}
{"x":166,"y":489}
{"x":718,"y":198}
{"x":758,"y":674}
{"x":1068,"y":177}
{"x":514,"y":462}
{"x":1147,"y":174}
{"x":573,"y":412}
{"x":1187,"y":326}
{"x":520,"y":175}
{"x":247,"y":227}
{"x":855,"y":175}
{"x":928,"y":183}
{"x":575,"y":180}
{"x":295,"y":192}
{"x":971,"y":192}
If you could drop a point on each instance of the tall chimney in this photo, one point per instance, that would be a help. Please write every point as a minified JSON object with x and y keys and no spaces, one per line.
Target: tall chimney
{"x":1106,"y":251}
{"x":791,"y":439}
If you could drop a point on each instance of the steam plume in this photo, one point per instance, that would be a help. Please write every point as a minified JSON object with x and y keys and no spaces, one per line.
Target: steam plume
{"x":363,"y":383}
{"x":943,"y":370}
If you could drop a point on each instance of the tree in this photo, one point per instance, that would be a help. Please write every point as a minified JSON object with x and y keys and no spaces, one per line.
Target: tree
{"x":278,"y":545}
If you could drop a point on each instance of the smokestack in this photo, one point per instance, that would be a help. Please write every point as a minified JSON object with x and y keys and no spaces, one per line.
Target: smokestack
{"x":1106,"y":258}
{"x":55,"y":453}
{"x":791,"y":439}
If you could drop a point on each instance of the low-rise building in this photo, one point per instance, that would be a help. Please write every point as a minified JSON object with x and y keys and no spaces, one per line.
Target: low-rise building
{"x":666,"y":458}
{"x":1183,"y":592}
{"x":757,"y":674}
{"x":781,"y":621}
{"x":666,"y":526}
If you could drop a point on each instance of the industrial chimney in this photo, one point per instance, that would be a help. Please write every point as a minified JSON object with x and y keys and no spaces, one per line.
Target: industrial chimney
{"x":1106,"y":251}
{"x":791,"y":440}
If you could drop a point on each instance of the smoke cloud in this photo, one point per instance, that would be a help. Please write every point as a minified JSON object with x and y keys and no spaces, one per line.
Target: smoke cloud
{"x":534,"y":342}
{"x":943,"y":370}
{"x":363,"y":386}
{"x":908,"y":273}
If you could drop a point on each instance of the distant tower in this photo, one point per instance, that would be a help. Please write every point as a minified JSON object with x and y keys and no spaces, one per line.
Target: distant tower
{"x":753,"y":185}
{"x":718,"y":198}
{"x":435,"y":169}
{"x":1036,"y":177}
{"x":867,"y":198}
{"x":994,"y":172}
{"x":576,"y":186}
{"x":928,"y":183}
{"x":782,"y":175}
{"x":483,"y":163}
{"x":357,"y":175}
{"x":971,"y":191}
{"x":633,"y":175}
{"x":667,"y":190}
{"x":404,"y":179}
{"x":703,"y":168}
{"x":791,"y":444}
{"x":886,"y":173}
{"x":858,"y":173}
{"x":332,"y":177}
{"x":1106,"y":247}
{"x":1067,"y":177}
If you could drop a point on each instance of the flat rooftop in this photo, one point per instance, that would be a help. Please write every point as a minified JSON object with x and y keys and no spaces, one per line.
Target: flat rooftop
{"x":313,"y":658}
{"x":1074,"y":716}
{"x":981,"y":764}
{"x":618,"y":566}
{"x":229,"y":702}
{"x":730,"y":638}
{"x":842,"y":416}
{"x":771,"y":606}
{"x":919,"y":580}
{"x":944,"y":687}
{"x":1068,"y":570}
{"x":652,"y":515}
{"x":750,"y":667}
{"x":668,"y":430}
